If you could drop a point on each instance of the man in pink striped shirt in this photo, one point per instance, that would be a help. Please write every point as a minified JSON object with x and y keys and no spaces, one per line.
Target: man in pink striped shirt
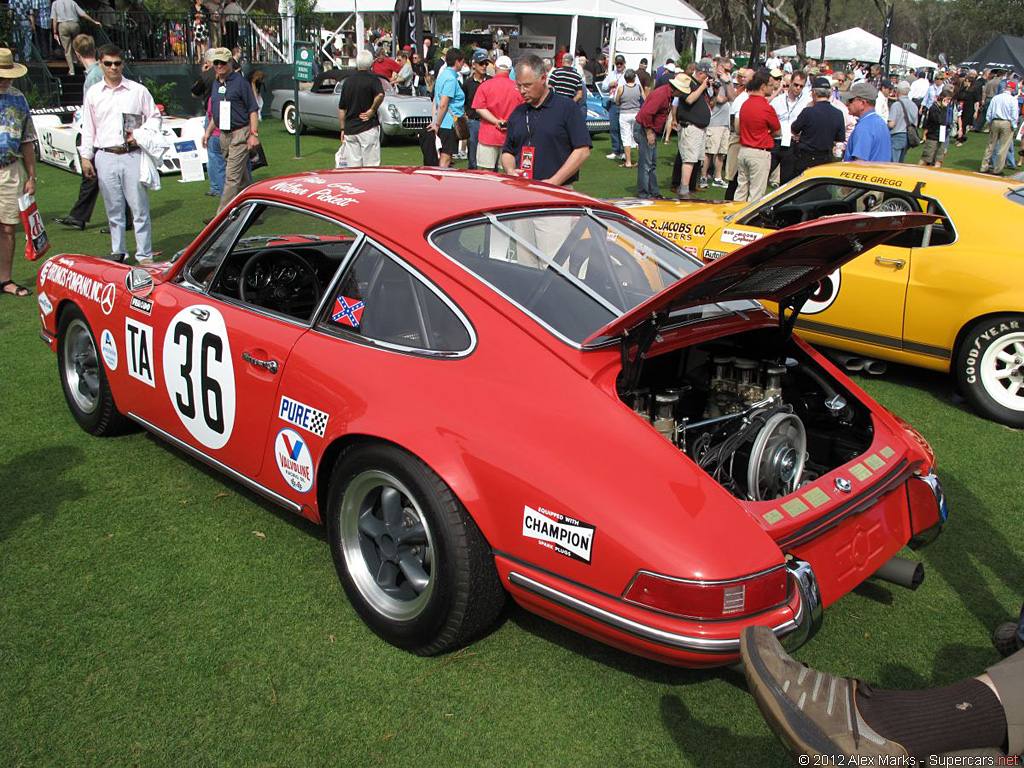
{"x":111,"y":110}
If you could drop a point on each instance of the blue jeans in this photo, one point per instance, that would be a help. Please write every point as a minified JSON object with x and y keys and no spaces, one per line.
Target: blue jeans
{"x":899,"y":146}
{"x":24,"y":34}
{"x":474,"y":139}
{"x":990,"y":161}
{"x":613,"y":122}
{"x":646,"y":163}
{"x":215,"y":164}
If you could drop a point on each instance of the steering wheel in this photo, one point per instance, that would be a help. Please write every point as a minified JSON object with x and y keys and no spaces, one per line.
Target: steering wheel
{"x":280,"y":280}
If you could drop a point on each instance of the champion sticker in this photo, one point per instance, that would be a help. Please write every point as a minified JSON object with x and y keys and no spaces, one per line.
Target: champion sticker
{"x":45,"y":305}
{"x":348,"y":311}
{"x":691,"y":249}
{"x":294,"y":460}
{"x":108,"y":347}
{"x":565,"y":535}
{"x":302,"y":415}
{"x":142,"y":305}
{"x":739,"y":236}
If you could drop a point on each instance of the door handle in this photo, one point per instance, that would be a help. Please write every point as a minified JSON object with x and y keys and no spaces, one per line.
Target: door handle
{"x":201,"y":314}
{"x":268,"y":365}
{"x":898,"y":263}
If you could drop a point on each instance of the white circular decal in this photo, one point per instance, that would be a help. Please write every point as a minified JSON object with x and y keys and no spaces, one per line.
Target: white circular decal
{"x":198,"y":374}
{"x":109,"y":349}
{"x":294,"y":460}
{"x":825,"y":294}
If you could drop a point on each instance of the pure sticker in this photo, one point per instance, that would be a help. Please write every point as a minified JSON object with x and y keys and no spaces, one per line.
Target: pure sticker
{"x":565,"y":535}
{"x":302,"y":415}
{"x":45,"y":305}
{"x":294,"y":460}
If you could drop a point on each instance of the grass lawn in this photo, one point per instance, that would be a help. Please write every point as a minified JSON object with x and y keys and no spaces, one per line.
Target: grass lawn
{"x":154,"y":613}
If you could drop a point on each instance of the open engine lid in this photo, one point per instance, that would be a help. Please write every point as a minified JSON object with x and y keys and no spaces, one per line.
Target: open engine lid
{"x":776,"y":267}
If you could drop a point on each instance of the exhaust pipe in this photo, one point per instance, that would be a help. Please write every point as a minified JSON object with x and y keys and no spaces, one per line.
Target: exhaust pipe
{"x":875,"y":367}
{"x":846,"y":360}
{"x":902,"y":572}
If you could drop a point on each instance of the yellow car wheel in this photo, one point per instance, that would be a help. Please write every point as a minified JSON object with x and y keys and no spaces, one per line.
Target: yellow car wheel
{"x":990,"y":368}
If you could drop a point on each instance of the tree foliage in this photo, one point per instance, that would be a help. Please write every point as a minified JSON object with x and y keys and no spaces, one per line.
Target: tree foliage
{"x":953,"y":27}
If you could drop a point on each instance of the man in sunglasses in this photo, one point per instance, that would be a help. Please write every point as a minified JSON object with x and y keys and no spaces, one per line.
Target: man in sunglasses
{"x":112,"y":109}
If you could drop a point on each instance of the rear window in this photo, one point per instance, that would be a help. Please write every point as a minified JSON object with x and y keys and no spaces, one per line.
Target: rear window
{"x":574,"y":271}
{"x":1016,"y":195}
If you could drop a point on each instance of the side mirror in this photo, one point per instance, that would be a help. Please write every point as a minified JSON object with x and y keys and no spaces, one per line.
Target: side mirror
{"x":139,"y":282}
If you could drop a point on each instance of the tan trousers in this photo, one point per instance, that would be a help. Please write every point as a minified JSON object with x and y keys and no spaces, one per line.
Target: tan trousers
{"x":1008,"y":678}
{"x":68,"y":30}
{"x":234,"y":145}
{"x":732,"y":156}
{"x":753,"y":165}
{"x":1000,"y":137}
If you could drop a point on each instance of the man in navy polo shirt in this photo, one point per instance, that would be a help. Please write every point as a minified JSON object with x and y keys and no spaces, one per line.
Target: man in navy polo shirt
{"x":234,"y":111}
{"x":870,"y":138}
{"x":547,"y":137}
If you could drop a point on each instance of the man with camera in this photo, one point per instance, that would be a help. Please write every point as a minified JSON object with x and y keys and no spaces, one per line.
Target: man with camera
{"x":692,"y":117}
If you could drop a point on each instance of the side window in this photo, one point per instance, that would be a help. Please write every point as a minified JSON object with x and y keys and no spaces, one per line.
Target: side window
{"x":203,"y":266}
{"x":805,"y":204}
{"x":380,"y":300}
{"x":281,"y":260}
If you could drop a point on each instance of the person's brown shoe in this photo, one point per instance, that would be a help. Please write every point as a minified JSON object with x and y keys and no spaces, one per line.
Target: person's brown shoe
{"x":812,"y":713}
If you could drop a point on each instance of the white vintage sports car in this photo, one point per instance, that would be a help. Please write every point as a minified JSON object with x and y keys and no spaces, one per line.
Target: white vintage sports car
{"x":59,"y":134}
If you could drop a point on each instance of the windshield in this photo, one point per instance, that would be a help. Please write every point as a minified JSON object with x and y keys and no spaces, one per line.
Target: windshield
{"x":574,"y":271}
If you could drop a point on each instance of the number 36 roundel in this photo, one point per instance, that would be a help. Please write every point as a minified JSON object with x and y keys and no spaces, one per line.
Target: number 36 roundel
{"x":198,"y":373}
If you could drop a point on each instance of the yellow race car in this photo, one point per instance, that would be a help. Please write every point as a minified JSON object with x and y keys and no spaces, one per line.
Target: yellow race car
{"x":947,"y":297}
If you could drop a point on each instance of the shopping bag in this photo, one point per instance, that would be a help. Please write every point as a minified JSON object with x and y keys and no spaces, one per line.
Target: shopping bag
{"x":37,"y":243}
{"x":258,"y":157}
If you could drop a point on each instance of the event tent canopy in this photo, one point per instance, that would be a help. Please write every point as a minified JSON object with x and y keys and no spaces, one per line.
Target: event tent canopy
{"x":859,"y":44}
{"x":1001,"y":52}
{"x":669,"y":12}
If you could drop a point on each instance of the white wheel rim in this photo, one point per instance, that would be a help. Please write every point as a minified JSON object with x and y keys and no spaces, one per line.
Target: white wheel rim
{"x":1002,"y":371}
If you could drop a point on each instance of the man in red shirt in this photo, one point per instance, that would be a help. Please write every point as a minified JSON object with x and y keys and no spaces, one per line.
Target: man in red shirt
{"x":383,"y":65}
{"x":494,"y":101}
{"x":649,"y":125}
{"x":759,"y":124}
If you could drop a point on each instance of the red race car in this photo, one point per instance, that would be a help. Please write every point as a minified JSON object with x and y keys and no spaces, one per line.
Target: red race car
{"x":484,"y":385}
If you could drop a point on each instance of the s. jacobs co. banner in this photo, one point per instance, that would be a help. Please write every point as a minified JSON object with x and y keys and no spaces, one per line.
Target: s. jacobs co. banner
{"x":634,"y":39}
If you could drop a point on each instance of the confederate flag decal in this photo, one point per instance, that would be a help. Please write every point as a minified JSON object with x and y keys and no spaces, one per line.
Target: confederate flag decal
{"x":347,"y":311}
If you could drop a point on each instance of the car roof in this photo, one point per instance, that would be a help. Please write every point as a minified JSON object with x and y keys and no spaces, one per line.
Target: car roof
{"x":936,"y":180}
{"x":392,"y":202}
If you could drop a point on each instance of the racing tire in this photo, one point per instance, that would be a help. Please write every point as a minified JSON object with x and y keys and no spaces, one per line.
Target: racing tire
{"x":83,"y":377}
{"x":289,"y":116}
{"x":413,"y":563}
{"x":990,"y":368}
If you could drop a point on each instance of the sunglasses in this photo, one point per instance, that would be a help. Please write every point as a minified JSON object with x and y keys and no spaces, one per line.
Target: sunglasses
{"x":113,"y":63}
{"x":220,"y":63}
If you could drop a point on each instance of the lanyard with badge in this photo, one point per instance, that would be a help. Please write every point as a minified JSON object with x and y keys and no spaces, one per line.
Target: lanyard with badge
{"x":528,"y":152}
{"x":224,"y":118}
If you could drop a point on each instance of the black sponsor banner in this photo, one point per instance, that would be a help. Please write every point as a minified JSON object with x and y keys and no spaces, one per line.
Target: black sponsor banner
{"x":883,"y":68}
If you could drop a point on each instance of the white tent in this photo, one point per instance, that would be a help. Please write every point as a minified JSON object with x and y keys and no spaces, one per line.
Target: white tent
{"x":859,"y":44}
{"x":668,"y":12}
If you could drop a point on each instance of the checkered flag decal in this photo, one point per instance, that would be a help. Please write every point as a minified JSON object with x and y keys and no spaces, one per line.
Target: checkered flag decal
{"x":318,"y":423}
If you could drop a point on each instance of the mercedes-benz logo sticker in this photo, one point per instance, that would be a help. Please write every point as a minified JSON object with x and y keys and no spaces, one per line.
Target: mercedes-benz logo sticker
{"x":107,"y":298}
{"x":843,"y":485}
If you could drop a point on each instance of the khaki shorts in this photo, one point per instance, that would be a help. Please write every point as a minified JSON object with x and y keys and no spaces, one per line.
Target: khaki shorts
{"x":12,"y":184}
{"x":933,"y":151}
{"x":717,"y":142}
{"x":691,"y":144}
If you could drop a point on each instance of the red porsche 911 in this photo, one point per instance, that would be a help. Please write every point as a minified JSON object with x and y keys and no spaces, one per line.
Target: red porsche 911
{"x":486,"y":386}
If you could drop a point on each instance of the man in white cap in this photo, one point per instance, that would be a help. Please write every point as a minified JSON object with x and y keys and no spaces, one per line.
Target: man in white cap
{"x":494,"y":101}
{"x":17,"y":136}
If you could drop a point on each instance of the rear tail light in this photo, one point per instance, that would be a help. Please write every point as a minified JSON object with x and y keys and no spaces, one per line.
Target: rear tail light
{"x":695,"y":599}
{"x":928,"y":510}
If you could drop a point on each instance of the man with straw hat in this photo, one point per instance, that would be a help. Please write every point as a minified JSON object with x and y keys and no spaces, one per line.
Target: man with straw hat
{"x":16,"y":137}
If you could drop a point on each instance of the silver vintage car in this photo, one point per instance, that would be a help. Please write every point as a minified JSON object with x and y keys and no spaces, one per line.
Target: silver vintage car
{"x":399,"y":115}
